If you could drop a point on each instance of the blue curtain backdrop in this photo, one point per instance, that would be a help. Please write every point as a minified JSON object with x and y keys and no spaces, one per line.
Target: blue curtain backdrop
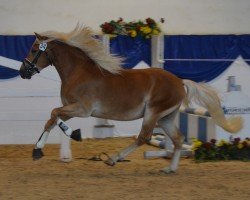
{"x":244,"y":45}
{"x":137,"y":49}
{"x":200,"y":47}
{"x":133,"y":49}
{"x":16,"y":48}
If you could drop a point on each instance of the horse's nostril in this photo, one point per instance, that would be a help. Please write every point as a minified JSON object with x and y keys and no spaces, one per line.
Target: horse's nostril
{"x":24,"y":75}
{"x":21,"y":73}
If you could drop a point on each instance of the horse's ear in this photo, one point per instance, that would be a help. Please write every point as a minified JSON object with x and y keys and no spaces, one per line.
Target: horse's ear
{"x":39,"y":37}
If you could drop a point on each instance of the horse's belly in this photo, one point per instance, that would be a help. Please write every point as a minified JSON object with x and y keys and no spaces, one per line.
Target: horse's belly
{"x":120,"y":113}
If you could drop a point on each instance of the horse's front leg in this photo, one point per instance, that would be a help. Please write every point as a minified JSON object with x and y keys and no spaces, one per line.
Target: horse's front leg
{"x":58,"y":116}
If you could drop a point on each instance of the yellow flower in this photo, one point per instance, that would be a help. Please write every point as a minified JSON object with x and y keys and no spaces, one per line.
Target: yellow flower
{"x":146,"y":29}
{"x":133,"y":33}
{"x":196,"y":144}
{"x":240,"y":146}
{"x":155,"y":32}
{"x":222,"y":143}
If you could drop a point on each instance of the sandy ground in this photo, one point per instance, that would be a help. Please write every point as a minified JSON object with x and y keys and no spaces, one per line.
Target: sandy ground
{"x":49,"y":179}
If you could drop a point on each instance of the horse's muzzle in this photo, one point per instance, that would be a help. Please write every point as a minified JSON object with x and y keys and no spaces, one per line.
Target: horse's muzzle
{"x":25,"y":74}
{"x":28,"y":69}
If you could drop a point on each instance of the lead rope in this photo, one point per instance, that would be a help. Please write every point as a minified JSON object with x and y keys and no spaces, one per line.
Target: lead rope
{"x":99,"y":157}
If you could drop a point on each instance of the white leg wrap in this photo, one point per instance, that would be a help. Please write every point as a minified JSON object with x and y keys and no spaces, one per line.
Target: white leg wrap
{"x":65,"y":150}
{"x":42,"y":140}
{"x":65,"y":128}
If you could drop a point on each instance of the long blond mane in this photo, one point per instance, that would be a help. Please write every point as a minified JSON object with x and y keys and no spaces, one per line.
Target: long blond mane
{"x":82,"y":38}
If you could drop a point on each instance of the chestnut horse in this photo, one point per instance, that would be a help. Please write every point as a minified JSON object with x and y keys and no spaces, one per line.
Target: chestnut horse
{"x":94,"y":84}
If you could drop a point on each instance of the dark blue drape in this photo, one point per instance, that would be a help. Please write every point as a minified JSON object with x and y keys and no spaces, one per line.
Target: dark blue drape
{"x":137,"y":49}
{"x":16,"y":48}
{"x":244,"y":45}
{"x":133,"y":49}
{"x":199,"y":47}
{"x":6,"y":73}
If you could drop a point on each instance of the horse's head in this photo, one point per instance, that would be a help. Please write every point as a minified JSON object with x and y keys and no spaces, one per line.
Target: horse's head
{"x":37,"y":58}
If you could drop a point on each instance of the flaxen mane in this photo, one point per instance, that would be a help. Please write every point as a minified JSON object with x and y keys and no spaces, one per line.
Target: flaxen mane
{"x":82,"y":38}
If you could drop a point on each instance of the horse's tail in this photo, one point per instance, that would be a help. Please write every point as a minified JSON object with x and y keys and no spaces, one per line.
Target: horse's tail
{"x":208,"y":98}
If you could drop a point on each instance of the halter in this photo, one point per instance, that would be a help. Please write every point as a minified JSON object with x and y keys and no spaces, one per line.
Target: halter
{"x":30,"y":66}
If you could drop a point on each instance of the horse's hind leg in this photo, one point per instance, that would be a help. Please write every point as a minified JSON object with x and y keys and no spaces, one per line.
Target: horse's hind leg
{"x":167,"y":124}
{"x":145,"y":134}
{"x":64,"y":113}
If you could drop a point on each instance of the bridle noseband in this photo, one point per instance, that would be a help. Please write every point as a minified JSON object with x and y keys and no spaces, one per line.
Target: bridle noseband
{"x":30,"y":66}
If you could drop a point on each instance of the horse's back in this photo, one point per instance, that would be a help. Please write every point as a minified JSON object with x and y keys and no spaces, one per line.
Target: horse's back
{"x":156,"y":77}
{"x":165,"y":89}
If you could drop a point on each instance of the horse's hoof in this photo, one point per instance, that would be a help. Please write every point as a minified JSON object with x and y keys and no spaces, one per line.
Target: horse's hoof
{"x":76,"y":135}
{"x":167,"y":170}
{"x":37,"y":154}
{"x":109,"y":162}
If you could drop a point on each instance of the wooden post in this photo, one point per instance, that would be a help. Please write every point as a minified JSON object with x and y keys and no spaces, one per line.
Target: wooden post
{"x":104,"y":123}
{"x":157,"y":51}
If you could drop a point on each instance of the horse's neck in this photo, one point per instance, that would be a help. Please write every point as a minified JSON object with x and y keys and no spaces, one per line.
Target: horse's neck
{"x":69,"y":60}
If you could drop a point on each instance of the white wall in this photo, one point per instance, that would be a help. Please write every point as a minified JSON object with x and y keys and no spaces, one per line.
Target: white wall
{"x":182,"y":16}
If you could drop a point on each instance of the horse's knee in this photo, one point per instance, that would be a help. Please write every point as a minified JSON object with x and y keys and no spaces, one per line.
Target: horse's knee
{"x":54,"y":113}
{"x":52,"y":121}
{"x":178,"y":141}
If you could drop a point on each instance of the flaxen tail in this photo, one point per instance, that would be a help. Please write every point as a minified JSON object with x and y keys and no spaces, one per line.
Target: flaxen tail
{"x":206,"y":97}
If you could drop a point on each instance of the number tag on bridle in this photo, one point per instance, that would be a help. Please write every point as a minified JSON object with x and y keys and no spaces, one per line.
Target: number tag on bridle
{"x":43,"y":46}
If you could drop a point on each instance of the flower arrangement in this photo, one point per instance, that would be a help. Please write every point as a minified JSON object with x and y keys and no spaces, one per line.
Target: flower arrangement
{"x":146,"y":28}
{"x":235,"y":149}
